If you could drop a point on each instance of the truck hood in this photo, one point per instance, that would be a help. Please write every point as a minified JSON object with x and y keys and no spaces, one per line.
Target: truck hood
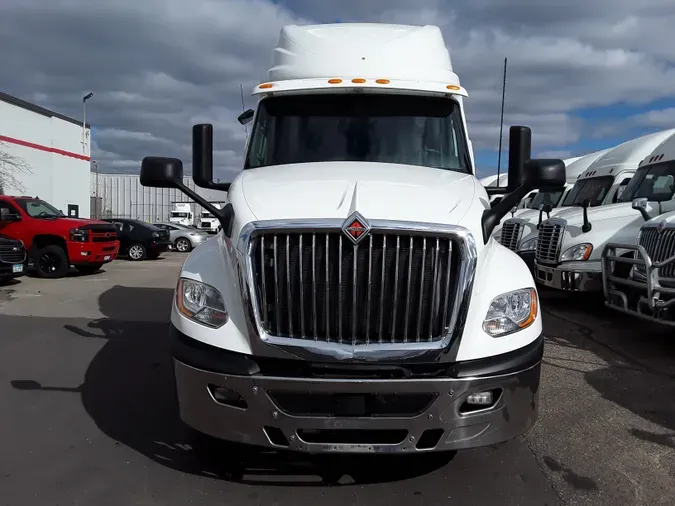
{"x":376,"y":190}
{"x":575,"y":215}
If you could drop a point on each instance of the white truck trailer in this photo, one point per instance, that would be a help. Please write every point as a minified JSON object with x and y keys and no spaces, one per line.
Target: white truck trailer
{"x":649,"y":290}
{"x":354,"y":300}
{"x":570,"y":245}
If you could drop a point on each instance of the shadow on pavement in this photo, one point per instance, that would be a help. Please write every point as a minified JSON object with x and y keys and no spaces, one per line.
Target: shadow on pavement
{"x":129,"y":392}
{"x":637,"y":360}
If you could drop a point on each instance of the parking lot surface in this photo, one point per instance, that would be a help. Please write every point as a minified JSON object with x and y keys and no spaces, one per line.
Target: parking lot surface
{"x":89,"y":414}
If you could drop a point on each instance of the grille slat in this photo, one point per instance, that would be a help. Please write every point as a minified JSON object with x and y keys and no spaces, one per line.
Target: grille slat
{"x":660,"y":246}
{"x":317,"y":286}
{"x":510,"y":235}
{"x":548,"y":241}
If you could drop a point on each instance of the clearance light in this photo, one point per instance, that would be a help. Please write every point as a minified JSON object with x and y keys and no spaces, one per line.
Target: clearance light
{"x":358,"y":80}
{"x":334,"y":81}
{"x":453,"y":87}
{"x":382,"y":81}
{"x":265,"y":86}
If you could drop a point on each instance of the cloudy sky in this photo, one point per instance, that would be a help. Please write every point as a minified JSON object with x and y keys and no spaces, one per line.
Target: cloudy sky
{"x":583,"y":74}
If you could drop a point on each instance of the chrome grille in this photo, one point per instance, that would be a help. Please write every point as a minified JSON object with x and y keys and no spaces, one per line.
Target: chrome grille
{"x":511,"y":234}
{"x":660,"y":246}
{"x":12,"y":254}
{"x":548,"y":241}
{"x":390,"y":288}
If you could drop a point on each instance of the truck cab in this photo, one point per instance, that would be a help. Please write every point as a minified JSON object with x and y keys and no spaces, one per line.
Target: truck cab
{"x":570,"y":245}
{"x":209,"y":221}
{"x":55,"y":242}
{"x":519,"y":232}
{"x":354,"y":300}
{"x":648,"y":292}
{"x":182,"y":214}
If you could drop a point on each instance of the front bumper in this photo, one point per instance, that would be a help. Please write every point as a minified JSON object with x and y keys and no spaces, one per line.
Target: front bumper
{"x":566,"y":278}
{"x":12,"y":270}
{"x":83,"y":253}
{"x":322,"y":407}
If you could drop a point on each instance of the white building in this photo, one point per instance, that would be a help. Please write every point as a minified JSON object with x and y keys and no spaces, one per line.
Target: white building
{"x":123,"y":196}
{"x":55,"y":153}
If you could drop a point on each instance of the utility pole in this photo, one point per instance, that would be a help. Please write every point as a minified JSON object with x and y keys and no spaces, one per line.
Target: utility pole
{"x":84,"y":121}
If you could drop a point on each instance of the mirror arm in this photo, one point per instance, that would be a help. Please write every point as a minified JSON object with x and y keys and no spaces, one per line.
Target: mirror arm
{"x":491,"y":217}
{"x":586,"y":227}
{"x":644,"y":213}
{"x":225,"y":216}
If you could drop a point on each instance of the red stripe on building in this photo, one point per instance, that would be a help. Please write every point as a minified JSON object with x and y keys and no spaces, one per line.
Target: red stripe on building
{"x":40,"y":147}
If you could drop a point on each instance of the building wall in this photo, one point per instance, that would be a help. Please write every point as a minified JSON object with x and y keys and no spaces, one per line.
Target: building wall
{"x":123,"y":196}
{"x":52,"y":149}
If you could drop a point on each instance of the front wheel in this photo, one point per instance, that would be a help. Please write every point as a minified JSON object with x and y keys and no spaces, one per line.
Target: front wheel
{"x":88,"y":268}
{"x":183,"y":245}
{"x":51,"y":262}
{"x":137,"y":252}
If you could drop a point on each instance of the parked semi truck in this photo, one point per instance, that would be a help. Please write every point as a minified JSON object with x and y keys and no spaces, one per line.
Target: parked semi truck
{"x":354,"y":300}
{"x":649,"y":290}
{"x":519,"y":232}
{"x":570,"y":245}
{"x":209,"y":222}
{"x":182,"y":214}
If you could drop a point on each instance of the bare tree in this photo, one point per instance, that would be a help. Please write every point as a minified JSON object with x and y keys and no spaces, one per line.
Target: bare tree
{"x":11,"y":168}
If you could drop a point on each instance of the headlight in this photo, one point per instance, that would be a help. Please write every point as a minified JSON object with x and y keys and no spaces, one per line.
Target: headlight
{"x":579,"y":252}
{"x":201,"y":303}
{"x":78,"y":235}
{"x":529,"y":245}
{"x":511,"y":312}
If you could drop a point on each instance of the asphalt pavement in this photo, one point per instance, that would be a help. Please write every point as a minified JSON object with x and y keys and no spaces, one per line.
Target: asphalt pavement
{"x":89,"y":414}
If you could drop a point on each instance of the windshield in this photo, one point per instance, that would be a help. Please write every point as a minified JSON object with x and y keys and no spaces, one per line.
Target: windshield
{"x":656,"y":182}
{"x":412,"y":130}
{"x":36,"y":208}
{"x":546,"y":197}
{"x":179,"y":215}
{"x":593,"y":188}
{"x":206,"y":215}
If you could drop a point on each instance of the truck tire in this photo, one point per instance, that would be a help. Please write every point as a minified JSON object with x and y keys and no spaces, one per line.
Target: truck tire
{"x":88,"y":268}
{"x":137,"y":252}
{"x":51,"y":262}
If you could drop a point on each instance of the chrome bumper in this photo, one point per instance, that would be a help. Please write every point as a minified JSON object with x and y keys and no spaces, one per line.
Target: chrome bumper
{"x":567,"y":279}
{"x":418,"y":414}
{"x":640,"y":296}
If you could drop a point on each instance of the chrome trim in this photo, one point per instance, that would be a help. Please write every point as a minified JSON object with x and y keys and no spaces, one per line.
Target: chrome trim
{"x":261,"y":341}
{"x":563,"y":226}
{"x":515,"y":222}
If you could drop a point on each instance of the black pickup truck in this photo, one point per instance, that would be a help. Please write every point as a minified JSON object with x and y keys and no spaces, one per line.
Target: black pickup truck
{"x":12,"y":258}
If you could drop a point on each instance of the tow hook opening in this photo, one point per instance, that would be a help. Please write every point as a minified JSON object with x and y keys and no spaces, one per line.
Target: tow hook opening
{"x":480,"y":401}
{"x":227,"y":397}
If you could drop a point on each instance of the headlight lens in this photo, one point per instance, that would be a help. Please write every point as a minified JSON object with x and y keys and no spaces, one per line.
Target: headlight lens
{"x":201,"y":303}
{"x":511,"y":312}
{"x":579,"y":252}
{"x":529,"y":245}
{"x":77,"y":235}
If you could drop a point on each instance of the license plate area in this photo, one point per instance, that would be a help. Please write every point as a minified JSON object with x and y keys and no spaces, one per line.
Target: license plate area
{"x":17,"y":268}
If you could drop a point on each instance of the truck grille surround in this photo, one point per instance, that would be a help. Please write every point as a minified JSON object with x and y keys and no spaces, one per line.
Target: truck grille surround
{"x":660,"y":245}
{"x":12,"y":253}
{"x":548,"y":241}
{"x":354,"y":285}
{"x":510,"y":236}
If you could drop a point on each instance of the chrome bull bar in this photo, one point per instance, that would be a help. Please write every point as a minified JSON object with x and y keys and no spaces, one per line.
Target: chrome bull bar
{"x":650,"y":304}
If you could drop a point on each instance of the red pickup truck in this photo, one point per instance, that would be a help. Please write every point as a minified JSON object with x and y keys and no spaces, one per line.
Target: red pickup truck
{"x":55,"y":242}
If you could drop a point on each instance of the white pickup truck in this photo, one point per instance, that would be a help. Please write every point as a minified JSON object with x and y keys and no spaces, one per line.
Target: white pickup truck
{"x":649,"y":290}
{"x":354,"y":300}
{"x":570,"y":245}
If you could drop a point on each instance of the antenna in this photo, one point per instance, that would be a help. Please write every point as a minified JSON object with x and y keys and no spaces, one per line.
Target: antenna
{"x":501,"y":124}
{"x":241,"y":90}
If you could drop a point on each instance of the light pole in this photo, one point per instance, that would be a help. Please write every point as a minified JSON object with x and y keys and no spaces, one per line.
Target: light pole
{"x":96,"y":202}
{"x":84,"y":121}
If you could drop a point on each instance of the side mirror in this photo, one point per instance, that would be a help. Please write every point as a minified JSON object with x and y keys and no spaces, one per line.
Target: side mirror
{"x":245,"y":116}
{"x":160,"y":172}
{"x":8,"y":216}
{"x":202,"y":158}
{"x":640,"y":205}
{"x":544,"y":174}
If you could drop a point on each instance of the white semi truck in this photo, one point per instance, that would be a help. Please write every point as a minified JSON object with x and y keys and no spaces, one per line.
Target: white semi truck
{"x":519,"y":232}
{"x":354,"y":300}
{"x":182,"y":213}
{"x":570,"y":245}
{"x":208,"y":221}
{"x":649,"y":290}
